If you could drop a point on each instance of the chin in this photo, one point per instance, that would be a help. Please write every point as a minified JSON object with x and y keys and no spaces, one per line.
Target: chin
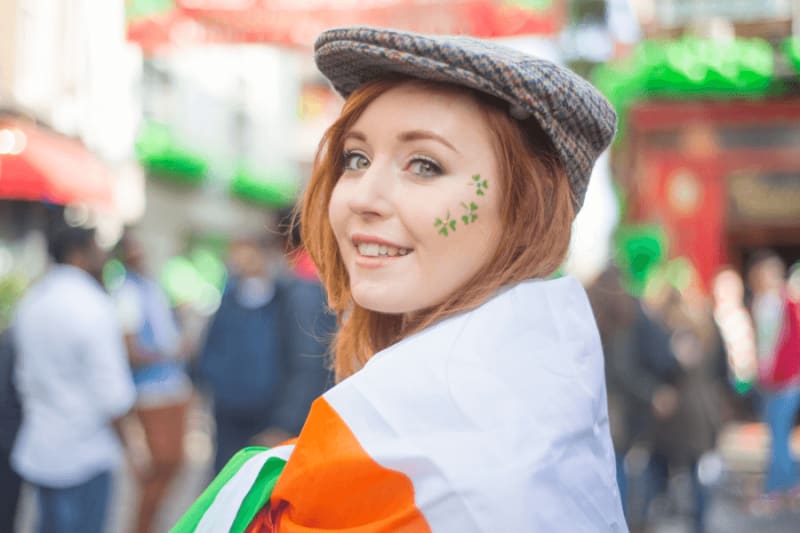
{"x":388,"y":304}
{"x":380,"y":305}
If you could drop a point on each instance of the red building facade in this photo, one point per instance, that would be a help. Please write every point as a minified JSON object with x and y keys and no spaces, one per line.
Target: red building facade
{"x":721,"y":176}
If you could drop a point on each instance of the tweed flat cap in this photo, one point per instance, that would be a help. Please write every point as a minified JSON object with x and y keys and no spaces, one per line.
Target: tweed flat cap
{"x":577,"y":118}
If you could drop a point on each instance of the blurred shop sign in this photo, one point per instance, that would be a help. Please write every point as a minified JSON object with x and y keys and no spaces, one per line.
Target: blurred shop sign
{"x":293,"y":23}
{"x":759,"y":197}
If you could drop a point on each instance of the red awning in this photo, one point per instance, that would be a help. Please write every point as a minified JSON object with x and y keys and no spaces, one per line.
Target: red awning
{"x":171,"y":28}
{"x":291,"y":23}
{"x":41,"y":165}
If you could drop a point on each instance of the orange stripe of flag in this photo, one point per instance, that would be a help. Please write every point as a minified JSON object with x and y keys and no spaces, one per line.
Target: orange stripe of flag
{"x":331,"y":483}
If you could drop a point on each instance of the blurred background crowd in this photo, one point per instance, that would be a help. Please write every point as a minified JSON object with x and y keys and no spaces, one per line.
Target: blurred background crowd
{"x":151,"y":152}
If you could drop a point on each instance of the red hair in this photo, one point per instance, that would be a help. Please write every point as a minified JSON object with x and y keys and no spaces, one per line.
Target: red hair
{"x":536,"y":215}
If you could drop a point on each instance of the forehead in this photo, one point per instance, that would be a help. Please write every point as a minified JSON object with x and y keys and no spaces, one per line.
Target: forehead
{"x":409,"y":106}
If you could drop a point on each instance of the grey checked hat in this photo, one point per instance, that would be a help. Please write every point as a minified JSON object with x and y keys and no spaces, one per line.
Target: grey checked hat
{"x":577,"y":118}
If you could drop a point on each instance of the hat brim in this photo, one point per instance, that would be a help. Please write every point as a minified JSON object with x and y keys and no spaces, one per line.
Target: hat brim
{"x":348,"y":67}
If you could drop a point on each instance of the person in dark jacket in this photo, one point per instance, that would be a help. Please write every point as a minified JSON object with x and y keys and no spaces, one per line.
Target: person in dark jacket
{"x":640,"y":370}
{"x":264,"y":357}
{"x":10,"y":420}
{"x":681,"y":439}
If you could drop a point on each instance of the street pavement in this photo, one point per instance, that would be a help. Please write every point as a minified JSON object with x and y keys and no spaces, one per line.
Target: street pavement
{"x":735,"y":477}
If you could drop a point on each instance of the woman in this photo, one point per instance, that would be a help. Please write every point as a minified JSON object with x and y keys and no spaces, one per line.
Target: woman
{"x":471,"y":393}
{"x":163,"y":389}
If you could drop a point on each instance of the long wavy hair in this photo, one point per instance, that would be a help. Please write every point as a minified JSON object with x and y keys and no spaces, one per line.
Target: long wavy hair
{"x":536,"y":216}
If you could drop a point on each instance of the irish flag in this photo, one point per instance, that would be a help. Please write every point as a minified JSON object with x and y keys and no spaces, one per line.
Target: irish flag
{"x":237,"y":494}
{"x":494,"y":420}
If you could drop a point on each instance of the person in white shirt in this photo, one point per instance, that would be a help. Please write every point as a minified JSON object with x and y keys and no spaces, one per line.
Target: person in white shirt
{"x":74,"y":384}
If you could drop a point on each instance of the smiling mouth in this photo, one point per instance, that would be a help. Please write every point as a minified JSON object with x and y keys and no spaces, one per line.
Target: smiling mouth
{"x":373,"y":249}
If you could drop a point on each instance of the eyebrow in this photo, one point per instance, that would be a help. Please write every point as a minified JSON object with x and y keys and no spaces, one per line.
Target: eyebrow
{"x":416,"y":135}
{"x":407,"y":136}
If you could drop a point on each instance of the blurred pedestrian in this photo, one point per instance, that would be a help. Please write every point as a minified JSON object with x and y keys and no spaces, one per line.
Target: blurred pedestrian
{"x":261,"y":360}
{"x":74,"y":384}
{"x":681,"y":439}
{"x":10,"y":420}
{"x":793,"y":282}
{"x":776,"y":318}
{"x":738,"y":334}
{"x":309,"y":327}
{"x":163,"y":389}
{"x":639,"y":370}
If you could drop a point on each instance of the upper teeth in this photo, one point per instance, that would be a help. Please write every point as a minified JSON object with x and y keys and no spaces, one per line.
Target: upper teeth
{"x":374,"y":250}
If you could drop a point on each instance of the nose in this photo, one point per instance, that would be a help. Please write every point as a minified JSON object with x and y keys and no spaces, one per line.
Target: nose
{"x":371,"y":192}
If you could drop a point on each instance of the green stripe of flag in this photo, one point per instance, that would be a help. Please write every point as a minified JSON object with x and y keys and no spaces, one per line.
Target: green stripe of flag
{"x":256,"y":498}
{"x":259,"y":495}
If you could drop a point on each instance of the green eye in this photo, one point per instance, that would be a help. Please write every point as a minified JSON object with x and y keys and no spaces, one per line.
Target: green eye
{"x":424,"y":167}
{"x":355,"y":161}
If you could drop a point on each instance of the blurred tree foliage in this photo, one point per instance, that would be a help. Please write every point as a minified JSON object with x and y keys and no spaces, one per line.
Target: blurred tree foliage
{"x":12,"y":287}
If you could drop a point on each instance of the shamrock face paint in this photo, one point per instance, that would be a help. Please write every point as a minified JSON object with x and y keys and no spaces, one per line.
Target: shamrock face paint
{"x":470,"y":215}
{"x":415,"y":210}
{"x":445,"y":225}
{"x":480,"y":185}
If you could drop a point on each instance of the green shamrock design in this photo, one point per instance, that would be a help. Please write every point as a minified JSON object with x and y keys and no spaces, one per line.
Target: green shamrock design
{"x":445,"y":224}
{"x":480,"y":185}
{"x":470,"y":215}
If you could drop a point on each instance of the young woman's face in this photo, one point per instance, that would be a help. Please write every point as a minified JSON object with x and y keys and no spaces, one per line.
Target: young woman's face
{"x":416,"y":210}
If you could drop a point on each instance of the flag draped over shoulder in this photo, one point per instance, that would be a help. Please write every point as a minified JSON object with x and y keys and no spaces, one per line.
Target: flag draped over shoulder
{"x":492,"y":420}
{"x":237,"y":494}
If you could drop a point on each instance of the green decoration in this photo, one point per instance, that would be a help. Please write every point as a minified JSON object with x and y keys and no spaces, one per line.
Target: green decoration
{"x":445,"y":225}
{"x":532,"y":5}
{"x":12,"y":287}
{"x":791,"y":47}
{"x":688,"y":68}
{"x":141,"y":9}
{"x":480,"y":185}
{"x":640,"y":250}
{"x":275,"y":188}
{"x":470,"y":215}
{"x":162,"y":156}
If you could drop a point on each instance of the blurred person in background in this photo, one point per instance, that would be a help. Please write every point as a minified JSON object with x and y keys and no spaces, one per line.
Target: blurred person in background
{"x":771,"y":308}
{"x":736,"y":330}
{"x":261,"y":362}
{"x":309,"y":326}
{"x":10,"y":420}
{"x":793,"y":283}
{"x":163,"y":388}
{"x":681,"y":439}
{"x":639,"y":371}
{"x":74,"y":383}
